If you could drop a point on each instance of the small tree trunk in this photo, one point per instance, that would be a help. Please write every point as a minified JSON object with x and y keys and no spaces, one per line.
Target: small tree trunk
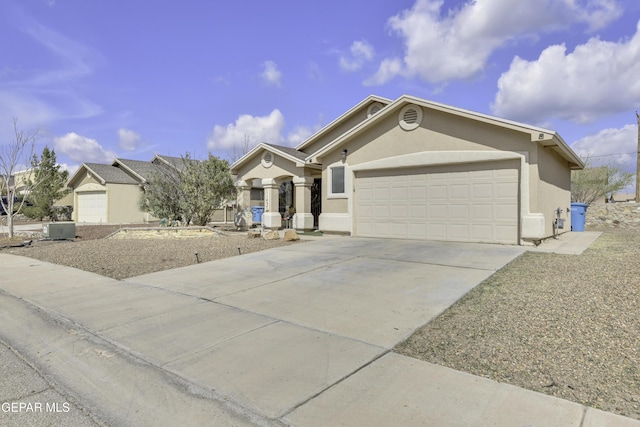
{"x":10,"y":225}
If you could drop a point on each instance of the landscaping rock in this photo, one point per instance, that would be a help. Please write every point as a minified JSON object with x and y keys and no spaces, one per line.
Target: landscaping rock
{"x":614,"y":215}
{"x":291,"y":236}
{"x":271,"y":235}
{"x":253,"y":234}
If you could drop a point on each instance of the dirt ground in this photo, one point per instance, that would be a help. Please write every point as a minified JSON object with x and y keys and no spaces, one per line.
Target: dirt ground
{"x":563,"y":325}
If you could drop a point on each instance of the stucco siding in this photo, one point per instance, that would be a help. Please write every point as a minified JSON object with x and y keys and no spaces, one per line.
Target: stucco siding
{"x":553,"y":188}
{"x":122,"y":204}
{"x":438,"y":132}
{"x":280,"y":167}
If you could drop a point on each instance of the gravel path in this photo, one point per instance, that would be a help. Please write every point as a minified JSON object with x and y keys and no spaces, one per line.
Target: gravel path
{"x":564,"y":325}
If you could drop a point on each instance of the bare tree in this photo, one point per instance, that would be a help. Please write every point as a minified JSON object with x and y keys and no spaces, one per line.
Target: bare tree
{"x":595,"y":182}
{"x":239,"y":150}
{"x":14,"y":155}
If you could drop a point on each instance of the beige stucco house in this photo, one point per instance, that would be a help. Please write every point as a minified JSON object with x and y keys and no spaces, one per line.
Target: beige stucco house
{"x":412,"y":168}
{"x":109,"y":193}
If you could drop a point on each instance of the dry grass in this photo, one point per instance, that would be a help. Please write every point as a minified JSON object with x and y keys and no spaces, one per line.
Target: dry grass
{"x":564,"y":325}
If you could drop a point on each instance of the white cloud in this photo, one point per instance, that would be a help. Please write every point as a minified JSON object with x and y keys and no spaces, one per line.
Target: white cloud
{"x":270,"y":74}
{"x":72,"y":169}
{"x":361,"y":52}
{"x":82,"y":149}
{"x":457,"y":44}
{"x":299,"y":135}
{"x":256,"y":128}
{"x":128,"y":139}
{"x":611,"y":145}
{"x":597,"y":79}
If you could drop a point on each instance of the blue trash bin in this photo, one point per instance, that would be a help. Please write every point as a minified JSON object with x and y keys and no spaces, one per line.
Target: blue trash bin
{"x":578,"y":216}
{"x":257,"y":213}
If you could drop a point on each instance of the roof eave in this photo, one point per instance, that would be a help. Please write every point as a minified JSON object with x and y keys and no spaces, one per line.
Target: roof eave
{"x":244,"y":159}
{"x":367,"y":100}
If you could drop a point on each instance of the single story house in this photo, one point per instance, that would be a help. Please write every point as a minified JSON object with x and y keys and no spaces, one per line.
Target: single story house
{"x":415,"y":169}
{"x":109,"y":193}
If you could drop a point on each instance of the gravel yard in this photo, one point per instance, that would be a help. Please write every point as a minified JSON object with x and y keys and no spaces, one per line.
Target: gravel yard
{"x":122,"y":258}
{"x":564,"y":325}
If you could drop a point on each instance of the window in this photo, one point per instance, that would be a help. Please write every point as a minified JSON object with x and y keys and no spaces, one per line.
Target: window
{"x":337,"y":180}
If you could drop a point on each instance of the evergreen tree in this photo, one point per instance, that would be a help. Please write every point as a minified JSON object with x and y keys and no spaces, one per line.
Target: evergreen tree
{"x":47,"y":183}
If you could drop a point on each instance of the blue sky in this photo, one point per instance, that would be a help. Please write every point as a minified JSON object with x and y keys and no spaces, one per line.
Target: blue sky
{"x":110,"y":78}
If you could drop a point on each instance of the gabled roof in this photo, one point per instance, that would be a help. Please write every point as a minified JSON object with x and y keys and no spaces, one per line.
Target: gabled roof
{"x":138,"y":168}
{"x":289,"y":153}
{"x":176,"y":162}
{"x":545,"y":137}
{"x":106,"y":174}
{"x":126,"y":171}
{"x":368,"y":100}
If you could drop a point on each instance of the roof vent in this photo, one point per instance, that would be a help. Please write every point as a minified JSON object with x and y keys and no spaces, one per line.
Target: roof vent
{"x":374,"y":108}
{"x":267,"y":159}
{"x":410,"y":117}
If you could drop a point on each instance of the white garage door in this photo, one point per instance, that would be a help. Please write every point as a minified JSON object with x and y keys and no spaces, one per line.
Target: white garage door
{"x":92,"y":207}
{"x":468,"y":203}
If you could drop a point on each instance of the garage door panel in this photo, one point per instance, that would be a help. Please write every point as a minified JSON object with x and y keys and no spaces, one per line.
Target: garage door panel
{"x":482,"y":191}
{"x":437,"y":192}
{"x":506,"y":211}
{"x":461,"y":203}
{"x":482,"y":212}
{"x":418,"y":231}
{"x":437,"y":231}
{"x":417,"y":194}
{"x":482,"y":232}
{"x":505,"y":190}
{"x":459,"y":192}
{"x":417,"y":211}
{"x":437,"y":211}
{"x":459,"y":232}
{"x":399,"y":194}
{"x":459,"y":212}
{"x":92,"y":207}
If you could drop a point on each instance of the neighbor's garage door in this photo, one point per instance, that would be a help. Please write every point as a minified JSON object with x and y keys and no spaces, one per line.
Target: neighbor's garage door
{"x":468,"y":203}
{"x":92,"y":207}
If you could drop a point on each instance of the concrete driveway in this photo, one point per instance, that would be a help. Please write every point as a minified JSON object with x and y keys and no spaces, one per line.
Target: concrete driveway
{"x":376,"y":291}
{"x":298,"y":335}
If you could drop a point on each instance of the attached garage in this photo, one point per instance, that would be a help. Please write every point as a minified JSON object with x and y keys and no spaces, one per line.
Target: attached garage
{"x":469,"y":203}
{"x":415,"y":169}
{"x":92,"y":207}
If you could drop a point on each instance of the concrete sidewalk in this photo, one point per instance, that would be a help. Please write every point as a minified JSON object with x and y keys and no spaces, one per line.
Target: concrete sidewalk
{"x":298,"y":335}
{"x":570,"y":243}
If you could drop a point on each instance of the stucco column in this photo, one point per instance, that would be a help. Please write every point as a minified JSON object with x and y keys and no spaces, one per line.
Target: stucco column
{"x":303,"y":219}
{"x":242,"y":217}
{"x":271,"y":217}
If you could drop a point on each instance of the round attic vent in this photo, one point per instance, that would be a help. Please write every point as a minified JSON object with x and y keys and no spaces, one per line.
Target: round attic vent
{"x":374,"y":108}
{"x":410,"y":117}
{"x":267,"y":159}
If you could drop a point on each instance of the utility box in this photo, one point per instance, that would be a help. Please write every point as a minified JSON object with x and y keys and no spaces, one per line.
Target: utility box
{"x":59,"y":230}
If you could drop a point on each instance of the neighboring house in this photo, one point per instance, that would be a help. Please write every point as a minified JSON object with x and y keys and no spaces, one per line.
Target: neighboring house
{"x":109,"y":194}
{"x":416,"y":169}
